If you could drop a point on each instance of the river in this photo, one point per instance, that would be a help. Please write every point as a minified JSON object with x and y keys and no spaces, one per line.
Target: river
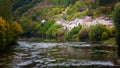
{"x":58,"y":55}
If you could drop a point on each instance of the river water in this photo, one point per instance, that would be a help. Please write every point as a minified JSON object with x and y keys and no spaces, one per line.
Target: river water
{"x":58,"y":55}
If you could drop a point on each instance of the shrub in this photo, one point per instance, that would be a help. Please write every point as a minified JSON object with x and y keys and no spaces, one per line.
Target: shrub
{"x":61,"y":34}
{"x":112,"y":31}
{"x":73,"y":32}
{"x":84,"y":34}
{"x":104,"y":35}
{"x":96,"y":32}
{"x":52,"y":31}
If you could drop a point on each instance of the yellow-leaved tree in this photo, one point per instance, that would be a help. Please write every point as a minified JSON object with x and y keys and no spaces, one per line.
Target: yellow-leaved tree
{"x":16,"y":30}
{"x":3,"y":30}
{"x":9,"y":32}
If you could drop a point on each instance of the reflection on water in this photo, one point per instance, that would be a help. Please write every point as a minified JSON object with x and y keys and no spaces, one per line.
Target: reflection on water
{"x":57,"y":55}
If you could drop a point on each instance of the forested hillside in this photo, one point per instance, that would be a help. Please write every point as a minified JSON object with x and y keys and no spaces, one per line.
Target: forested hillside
{"x":39,"y":8}
{"x":59,"y":33}
{"x":30,"y":13}
{"x":51,"y":9}
{"x":22,"y":6}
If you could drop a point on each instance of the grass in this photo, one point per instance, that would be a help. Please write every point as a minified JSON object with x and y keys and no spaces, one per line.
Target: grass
{"x":110,"y":41}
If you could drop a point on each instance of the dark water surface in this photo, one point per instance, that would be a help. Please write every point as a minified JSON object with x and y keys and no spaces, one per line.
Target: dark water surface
{"x":59,"y":55}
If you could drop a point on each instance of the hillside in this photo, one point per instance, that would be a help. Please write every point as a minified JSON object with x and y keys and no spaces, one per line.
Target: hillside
{"x":52,"y":9}
{"x":38,"y":8}
{"x":31,"y":14}
{"x":59,"y":33}
{"x":21,"y":6}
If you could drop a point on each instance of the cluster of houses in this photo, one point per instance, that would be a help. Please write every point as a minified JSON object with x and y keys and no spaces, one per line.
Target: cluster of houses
{"x":85,"y":22}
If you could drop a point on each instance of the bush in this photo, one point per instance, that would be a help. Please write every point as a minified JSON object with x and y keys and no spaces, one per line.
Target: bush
{"x":61,"y":34}
{"x":52,"y":31}
{"x":112,"y":31}
{"x":84,"y":34}
{"x":96,"y":32}
{"x":73,"y":32}
{"x":104,"y":35}
{"x":90,"y":12}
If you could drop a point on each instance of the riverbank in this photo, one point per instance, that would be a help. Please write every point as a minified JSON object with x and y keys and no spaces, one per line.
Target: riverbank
{"x":110,"y":41}
{"x":38,"y":40}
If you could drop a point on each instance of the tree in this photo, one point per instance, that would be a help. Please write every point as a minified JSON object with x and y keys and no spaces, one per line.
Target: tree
{"x":33,"y":28}
{"x":8,"y":32}
{"x":45,"y":26}
{"x":116,"y":18}
{"x":96,"y":32}
{"x":2,"y":33}
{"x":104,"y":36}
{"x":52,"y":31}
{"x":73,"y":32}
{"x":5,"y":9}
{"x":104,"y":2}
{"x":112,"y":31}
{"x":61,"y":34}
{"x":16,"y":30}
{"x":84,"y":34}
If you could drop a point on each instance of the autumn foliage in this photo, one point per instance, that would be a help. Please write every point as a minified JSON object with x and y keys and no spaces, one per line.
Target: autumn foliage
{"x":3,"y":30}
{"x":9,"y":32}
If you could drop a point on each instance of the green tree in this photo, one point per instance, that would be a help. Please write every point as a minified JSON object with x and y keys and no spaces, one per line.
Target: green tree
{"x":52,"y":31}
{"x":84,"y":34}
{"x":5,"y":10}
{"x":96,"y":32}
{"x":116,"y":18}
{"x":112,"y":31}
{"x":31,"y":28}
{"x":45,"y":26}
{"x":104,"y":2}
{"x":73,"y":32}
{"x":26,"y":25}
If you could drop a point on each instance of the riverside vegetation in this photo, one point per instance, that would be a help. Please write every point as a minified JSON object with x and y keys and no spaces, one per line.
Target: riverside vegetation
{"x":51,"y":10}
{"x":37,"y":19}
{"x":9,"y":29}
{"x":30,"y":13}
